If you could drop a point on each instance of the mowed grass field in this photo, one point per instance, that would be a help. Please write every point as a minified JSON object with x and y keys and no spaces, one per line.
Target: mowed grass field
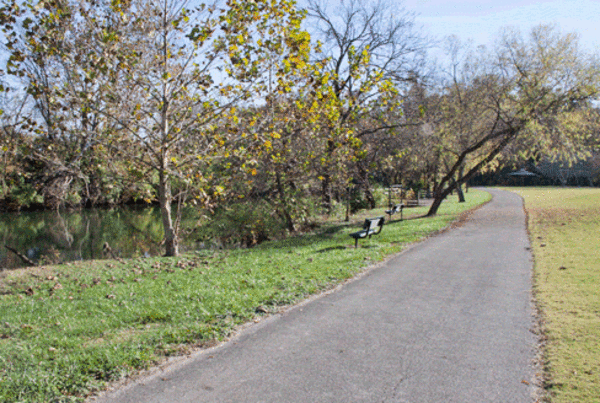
{"x":68,"y":330}
{"x":564,"y":226}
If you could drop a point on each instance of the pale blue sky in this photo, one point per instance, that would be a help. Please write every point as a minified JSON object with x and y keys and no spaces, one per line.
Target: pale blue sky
{"x":481,"y":20}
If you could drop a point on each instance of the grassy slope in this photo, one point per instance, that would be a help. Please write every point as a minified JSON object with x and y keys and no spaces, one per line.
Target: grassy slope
{"x":67,"y":330}
{"x":564,"y":226}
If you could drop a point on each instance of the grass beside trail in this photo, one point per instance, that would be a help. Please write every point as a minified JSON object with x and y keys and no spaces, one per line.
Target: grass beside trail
{"x":564,"y":226}
{"x":67,"y":330}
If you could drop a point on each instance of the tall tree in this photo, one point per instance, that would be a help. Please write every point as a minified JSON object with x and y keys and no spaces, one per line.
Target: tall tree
{"x":13,"y":145}
{"x":372,"y":53}
{"x":524,"y":92}
{"x":48,"y":49}
{"x":166,"y":72}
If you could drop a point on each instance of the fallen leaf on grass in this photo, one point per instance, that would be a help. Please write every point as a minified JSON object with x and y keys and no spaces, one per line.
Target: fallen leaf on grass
{"x":261,"y":309}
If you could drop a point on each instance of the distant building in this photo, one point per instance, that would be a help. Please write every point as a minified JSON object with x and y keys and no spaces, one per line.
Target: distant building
{"x":544,"y":173}
{"x":582,"y":173}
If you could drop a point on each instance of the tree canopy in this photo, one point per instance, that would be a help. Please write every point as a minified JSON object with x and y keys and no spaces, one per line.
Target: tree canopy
{"x":233,"y":105}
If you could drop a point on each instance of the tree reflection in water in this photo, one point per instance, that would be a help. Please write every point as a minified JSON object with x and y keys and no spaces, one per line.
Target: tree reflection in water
{"x":48,"y":237}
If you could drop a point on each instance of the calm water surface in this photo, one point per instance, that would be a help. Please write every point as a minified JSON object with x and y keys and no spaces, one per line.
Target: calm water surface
{"x":52,"y":237}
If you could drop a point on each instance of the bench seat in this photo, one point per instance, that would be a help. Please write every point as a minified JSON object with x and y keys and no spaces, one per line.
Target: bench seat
{"x":371,"y":226}
{"x":397,"y":208}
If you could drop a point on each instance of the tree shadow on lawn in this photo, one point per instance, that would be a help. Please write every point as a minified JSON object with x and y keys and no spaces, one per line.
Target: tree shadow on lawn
{"x":332,"y":248}
{"x":327,"y":233}
{"x":419,"y":217}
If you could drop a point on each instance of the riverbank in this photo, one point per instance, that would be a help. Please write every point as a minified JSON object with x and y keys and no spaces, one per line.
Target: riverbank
{"x":69,"y":330}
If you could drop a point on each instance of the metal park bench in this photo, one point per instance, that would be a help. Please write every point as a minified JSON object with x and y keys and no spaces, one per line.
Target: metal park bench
{"x":397,"y":208}
{"x":372,"y":226}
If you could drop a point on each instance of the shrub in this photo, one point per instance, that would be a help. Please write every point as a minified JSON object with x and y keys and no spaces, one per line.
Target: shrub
{"x":246,"y":223}
{"x":23,"y":196}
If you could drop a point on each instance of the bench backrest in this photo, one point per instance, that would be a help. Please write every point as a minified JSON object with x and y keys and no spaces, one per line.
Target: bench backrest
{"x":374,"y":225}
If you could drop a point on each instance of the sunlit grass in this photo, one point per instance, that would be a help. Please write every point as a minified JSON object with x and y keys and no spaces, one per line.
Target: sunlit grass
{"x":564,"y":226}
{"x":65,"y":331}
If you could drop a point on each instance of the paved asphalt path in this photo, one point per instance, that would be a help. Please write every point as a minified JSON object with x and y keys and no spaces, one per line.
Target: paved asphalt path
{"x":446,"y":321}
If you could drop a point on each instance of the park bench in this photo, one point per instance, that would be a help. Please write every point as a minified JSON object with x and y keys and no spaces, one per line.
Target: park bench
{"x":411,"y":202}
{"x":372,"y":226}
{"x":394,"y":210}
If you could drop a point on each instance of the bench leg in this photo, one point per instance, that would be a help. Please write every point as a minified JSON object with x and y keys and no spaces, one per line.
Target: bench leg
{"x":355,"y":243}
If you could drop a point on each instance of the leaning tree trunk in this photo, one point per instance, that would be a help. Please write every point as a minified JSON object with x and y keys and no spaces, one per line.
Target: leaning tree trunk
{"x":165,"y":199}
{"x":459,"y":190}
{"x":438,"y":198}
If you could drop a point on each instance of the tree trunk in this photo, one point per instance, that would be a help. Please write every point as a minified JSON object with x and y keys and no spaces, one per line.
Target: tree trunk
{"x":289,"y":222}
{"x":21,"y":256}
{"x":369,"y":196}
{"x":438,"y":198}
{"x":459,"y":191}
{"x":326,"y":181}
{"x":461,"y":195}
{"x":366,"y":185}
{"x":326,"y":193}
{"x":165,"y":199}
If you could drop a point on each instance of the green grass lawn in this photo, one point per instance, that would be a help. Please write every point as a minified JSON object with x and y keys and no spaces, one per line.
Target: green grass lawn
{"x":68,"y":330}
{"x":564,"y":226}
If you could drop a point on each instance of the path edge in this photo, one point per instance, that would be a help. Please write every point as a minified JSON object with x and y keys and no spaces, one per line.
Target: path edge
{"x":173,"y":363}
{"x":541,"y":375}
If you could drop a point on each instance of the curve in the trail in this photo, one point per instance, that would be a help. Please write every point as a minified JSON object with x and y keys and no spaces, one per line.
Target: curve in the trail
{"x":446,"y":321}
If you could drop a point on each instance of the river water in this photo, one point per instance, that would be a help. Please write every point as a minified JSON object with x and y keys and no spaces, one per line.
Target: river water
{"x":48,"y":237}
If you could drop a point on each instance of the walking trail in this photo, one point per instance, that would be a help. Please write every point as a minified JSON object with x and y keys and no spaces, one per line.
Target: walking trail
{"x":446,"y":321}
